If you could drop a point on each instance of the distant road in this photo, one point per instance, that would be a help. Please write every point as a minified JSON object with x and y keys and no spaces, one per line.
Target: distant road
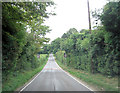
{"x":53,"y":78}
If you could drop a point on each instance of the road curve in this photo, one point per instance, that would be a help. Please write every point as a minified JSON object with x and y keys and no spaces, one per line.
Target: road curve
{"x":53,"y":78}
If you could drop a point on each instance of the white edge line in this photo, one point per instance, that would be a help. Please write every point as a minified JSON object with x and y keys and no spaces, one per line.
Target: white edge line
{"x":73,"y":77}
{"x":62,"y":70}
{"x":31,"y":80}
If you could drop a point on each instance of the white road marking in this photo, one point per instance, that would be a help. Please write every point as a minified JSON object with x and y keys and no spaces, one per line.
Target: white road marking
{"x":59,"y":68}
{"x":73,"y":77}
{"x":32,"y":80}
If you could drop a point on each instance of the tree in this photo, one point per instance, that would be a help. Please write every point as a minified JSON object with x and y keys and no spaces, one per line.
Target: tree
{"x":111,"y":17}
{"x":55,"y":45}
{"x":71,"y":31}
{"x":20,"y":46}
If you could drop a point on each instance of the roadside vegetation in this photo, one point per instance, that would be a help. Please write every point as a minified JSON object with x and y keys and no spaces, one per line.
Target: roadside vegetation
{"x":97,"y":81}
{"x":22,"y":77}
{"x":93,"y":57}
{"x":95,"y":52}
{"x":23,"y":36}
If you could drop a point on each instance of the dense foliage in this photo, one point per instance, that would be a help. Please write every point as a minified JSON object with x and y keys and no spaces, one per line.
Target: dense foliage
{"x":23,"y":35}
{"x":99,"y":50}
{"x":22,"y":77}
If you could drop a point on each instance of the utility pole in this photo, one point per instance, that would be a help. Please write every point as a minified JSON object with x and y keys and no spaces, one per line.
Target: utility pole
{"x":92,"y":65}
{"x":89,"y":16}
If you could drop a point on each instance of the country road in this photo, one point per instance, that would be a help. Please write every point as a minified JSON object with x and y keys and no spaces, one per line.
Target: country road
{"x":53,"y":78}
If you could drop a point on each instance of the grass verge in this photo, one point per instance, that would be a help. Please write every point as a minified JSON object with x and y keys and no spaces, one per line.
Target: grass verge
{"x":15,"y":82}
{"x":98,"y":81}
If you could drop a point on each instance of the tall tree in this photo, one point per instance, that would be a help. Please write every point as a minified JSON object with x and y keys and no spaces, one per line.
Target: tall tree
{"x":23,"y":33}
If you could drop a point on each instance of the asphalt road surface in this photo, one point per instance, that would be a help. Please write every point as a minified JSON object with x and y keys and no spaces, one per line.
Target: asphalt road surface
{"x":53,"y":78}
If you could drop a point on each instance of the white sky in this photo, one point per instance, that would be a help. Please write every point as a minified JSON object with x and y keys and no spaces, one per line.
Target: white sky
{"x":70,"y":14}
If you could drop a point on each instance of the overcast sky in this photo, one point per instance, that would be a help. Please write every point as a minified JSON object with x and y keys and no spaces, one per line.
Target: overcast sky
{"x":70,"y":14}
